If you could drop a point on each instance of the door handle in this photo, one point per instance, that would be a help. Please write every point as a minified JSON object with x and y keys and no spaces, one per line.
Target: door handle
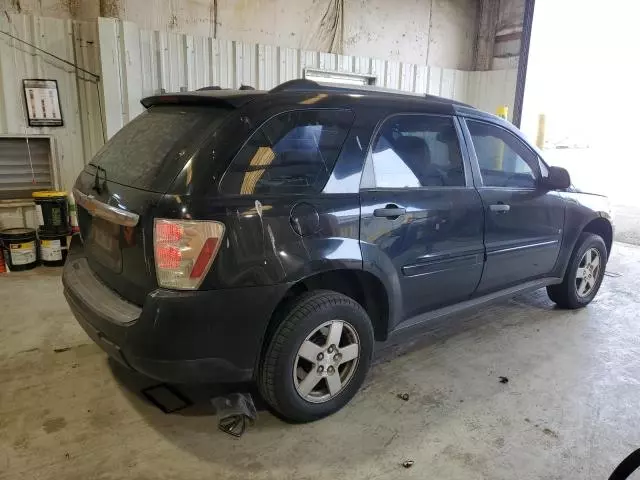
{"x":500,"y":208}
{"x":391,"y":212}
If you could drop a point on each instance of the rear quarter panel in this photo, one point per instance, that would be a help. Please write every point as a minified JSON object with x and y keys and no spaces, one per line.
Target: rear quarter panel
{"x":261,"y":246}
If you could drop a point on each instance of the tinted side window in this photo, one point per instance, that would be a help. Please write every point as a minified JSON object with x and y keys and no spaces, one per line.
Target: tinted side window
{"x":415,"y":151}
{"x":504,"y":160}
{"x":294,"y":152}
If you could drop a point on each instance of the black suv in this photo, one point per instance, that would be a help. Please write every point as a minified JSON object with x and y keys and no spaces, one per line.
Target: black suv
{"x":276,"y":236}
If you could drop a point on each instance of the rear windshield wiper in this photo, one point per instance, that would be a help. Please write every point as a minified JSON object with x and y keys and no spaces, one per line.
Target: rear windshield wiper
{"x":96,"y":180}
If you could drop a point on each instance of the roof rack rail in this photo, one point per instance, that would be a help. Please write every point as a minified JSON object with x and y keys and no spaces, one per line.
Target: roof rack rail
{"x":218,"y":87}
{"x":303,"y":84}
{"x":297,"y":84}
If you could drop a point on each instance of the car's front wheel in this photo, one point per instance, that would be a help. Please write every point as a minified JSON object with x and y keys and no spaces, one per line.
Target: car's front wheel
{"x":584,"y":273}
{"x":318,"y":356}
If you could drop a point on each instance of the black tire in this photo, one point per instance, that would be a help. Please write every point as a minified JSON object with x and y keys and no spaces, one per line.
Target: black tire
{"x":565,"y":294}
{"x":301,"y":318}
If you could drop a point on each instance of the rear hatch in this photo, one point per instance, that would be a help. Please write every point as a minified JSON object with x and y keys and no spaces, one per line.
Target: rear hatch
{"x":119,"y":192}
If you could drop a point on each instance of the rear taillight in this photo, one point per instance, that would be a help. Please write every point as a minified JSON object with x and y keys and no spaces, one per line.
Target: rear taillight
{"x":184,"y":251}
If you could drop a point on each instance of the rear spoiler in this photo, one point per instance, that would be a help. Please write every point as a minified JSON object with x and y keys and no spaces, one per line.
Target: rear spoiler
{"x":222,"y":98}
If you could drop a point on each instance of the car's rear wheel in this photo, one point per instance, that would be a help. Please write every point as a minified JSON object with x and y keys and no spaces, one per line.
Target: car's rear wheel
{"x":584,"y":274}
{"x":318,"y":356}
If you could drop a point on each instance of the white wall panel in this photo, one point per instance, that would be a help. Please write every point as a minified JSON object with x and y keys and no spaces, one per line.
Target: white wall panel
{"x":392,"y":77}
{"x":492,"y":89}
{"x":110,"y":59}
{"x":246,"y":63}
{"x":378,"y":70}
{"x":328,"y":61}
{"x":422,"y":79}
{"x":290,"y":59}
{"x":267,"y":67}
{"x":435,"y":81}
{"x":345,"y":63}
{"x":460,"y":85}
{"x":362,"y":65}
{"x":155,"y":60}
{"x":447,"y":83}
{"x":407,"y":77}
{"x":77,"y":42}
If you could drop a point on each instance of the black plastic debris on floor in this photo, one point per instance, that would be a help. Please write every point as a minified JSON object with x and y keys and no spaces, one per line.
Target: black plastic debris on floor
{"x":408,"y":463}
{"x":167,"y":398}
{"x":503,"y":379}
{"x":234,"y":425}
{"x":403,"y":396}
{"x":236,"y":411}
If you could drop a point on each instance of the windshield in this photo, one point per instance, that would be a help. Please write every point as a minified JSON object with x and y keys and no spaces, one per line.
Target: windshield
{"x":149,"y":152}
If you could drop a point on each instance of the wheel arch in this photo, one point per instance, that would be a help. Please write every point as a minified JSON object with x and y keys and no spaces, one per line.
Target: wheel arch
{"x":362,"y":286}
{"x":602,"y":227}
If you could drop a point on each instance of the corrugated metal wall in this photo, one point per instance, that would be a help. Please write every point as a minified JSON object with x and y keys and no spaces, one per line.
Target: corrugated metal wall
{"x":134,"y":63}
{"x":137,"y":63}
{"x":82,"y":134}
{"x":77,"y":42}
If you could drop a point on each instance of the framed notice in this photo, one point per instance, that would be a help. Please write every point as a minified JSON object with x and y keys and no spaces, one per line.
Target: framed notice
{"x":43,"y":103}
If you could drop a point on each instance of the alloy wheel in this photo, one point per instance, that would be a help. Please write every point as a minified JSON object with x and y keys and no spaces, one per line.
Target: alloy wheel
{"x":588,"y":272}
{"x":326,"y":361}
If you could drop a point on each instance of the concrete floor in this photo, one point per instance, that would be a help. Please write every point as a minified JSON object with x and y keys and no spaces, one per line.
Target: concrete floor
{"x":626,"y":218}
{"x":569,"y":409}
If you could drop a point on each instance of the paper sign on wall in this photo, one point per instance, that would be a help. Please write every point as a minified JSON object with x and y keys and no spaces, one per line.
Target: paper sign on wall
{"x":43,"y":103}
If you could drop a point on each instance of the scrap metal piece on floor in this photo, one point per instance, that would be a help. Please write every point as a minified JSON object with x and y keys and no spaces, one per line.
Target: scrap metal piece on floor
{"x":235,"y":411}
{"x":612,"y":274}
{"x":166,"y":398}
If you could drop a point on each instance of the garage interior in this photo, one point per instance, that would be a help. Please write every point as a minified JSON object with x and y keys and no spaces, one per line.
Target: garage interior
{"x":519,"y":388}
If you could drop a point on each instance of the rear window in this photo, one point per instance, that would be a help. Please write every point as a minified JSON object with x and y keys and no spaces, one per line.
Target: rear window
{"x":293,"y":152}
{"x":149,"y":152}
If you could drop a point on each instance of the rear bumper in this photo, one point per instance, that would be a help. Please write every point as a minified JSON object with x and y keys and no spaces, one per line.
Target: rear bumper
{"x":176,"y":337}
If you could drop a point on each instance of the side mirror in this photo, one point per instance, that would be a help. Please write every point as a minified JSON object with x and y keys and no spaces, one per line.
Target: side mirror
{"x":558,"y":179}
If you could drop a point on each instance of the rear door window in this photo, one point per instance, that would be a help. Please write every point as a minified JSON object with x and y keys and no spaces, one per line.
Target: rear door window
{"x":293,"y":152}
{"x":415,"y":151}
{"x":149,"y":152}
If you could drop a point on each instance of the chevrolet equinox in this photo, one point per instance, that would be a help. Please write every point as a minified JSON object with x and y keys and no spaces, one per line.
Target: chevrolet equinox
{"x":242,"y":235}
